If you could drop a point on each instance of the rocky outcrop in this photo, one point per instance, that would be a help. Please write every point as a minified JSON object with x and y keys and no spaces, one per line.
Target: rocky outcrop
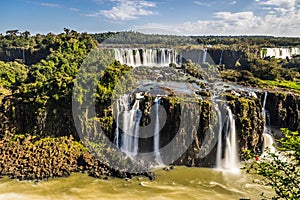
{"x":284,"y":110}
{"x":230,"y":58}
{"x":249,"y":126}
{"x":249,"y":122}
{"x":54,"y":119}
{"x":31,"y":56}
{"x":29,"y":158}
{"x":22,"y":158}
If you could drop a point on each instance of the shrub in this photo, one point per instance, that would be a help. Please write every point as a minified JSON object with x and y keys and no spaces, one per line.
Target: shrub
{"x":281,"y":170}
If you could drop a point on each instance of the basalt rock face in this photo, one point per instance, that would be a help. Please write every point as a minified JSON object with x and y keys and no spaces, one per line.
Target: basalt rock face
{"x":26,"y":117}
{"x":31,"y":56}
{"x":249,"y":127}
{"x":192,"y":156}
{"x":249,"y":122}
{"x":56,"y":120}
{"x":284,"y":110}
{"x":230,"y":58}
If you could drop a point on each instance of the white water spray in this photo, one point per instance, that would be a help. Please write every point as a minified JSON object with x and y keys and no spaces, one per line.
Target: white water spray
{"x":128,"y":120}
{"x":221,"y":58}
{"x":268,"y":139}
{"x":204,"y":56}
{"x":219,"y":147}
{"x":230,"y":162}
{"x":156,"y":133}
{"x":231,"y":153}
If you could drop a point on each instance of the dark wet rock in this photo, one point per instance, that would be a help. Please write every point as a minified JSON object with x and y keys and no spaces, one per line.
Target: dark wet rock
{"x":284,"y":110}
{"x":150,"y":175}
{"x":166,"y":169}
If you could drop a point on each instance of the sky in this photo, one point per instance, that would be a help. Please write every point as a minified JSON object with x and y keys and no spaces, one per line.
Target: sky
{"x":175,"y":17}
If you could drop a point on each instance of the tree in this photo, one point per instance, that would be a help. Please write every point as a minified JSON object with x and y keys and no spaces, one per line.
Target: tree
{"x":67,"y":31}
{"x":12,"y":32}
{"x":26,"y":34}
{"x":281,"y":170}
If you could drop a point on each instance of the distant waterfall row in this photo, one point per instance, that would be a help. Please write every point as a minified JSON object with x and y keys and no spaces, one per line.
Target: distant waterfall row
{"x":146,"y":57}
{"x":283,"y":52}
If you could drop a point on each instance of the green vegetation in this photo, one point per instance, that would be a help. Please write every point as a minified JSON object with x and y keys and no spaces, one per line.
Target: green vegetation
{"x":12,"y":74}
{"x":281,"y":170}
{"x":39,"y":72}
{"x":132,"y":37}
{"x":260,"y":41}
{"x":52,"y":77}
{"x":282,"y":84}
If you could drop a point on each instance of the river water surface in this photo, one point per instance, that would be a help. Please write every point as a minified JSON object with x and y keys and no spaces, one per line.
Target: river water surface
{"x":180,"y":183}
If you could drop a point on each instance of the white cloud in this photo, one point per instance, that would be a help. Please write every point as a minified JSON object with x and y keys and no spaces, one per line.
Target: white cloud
{"x":74,"y":9}
{"x":277,"y":2}
{"x":128,"y":10}
{"x":281,"y":18}
{"x":277,"y":22}
{"x":51,"y":5}
{"x":224,"y":23}
{"x":233,"y":2}
{"x":201,"y":3}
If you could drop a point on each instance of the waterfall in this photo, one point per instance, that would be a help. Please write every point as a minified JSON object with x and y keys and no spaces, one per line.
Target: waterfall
{"x":281,"y":52}
{"x":24,"y":59}
{"x":156,"y":133}
{"x":204,"y":56}
{"x":264,"y":108}
{"x":268,"y":143}
{"x":221,"y":58}
{"x":116,"y":139}
{"x":219,"y":147}
{"x":146,"y":57}
{"x":231,"y":152}
{"x":230,"y":161}
{"x":268,"y":139}
{"x":128,"y":122}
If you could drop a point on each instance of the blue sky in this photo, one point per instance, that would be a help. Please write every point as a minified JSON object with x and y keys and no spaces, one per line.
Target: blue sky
{"x":199,"y":17}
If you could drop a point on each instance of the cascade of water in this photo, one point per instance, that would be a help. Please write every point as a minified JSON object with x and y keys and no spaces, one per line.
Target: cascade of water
{"x":204,"y":56}
{"x":116,"y":139}
{"x":268,"y":139}
{"x":156,"y":133}
{"x":268,"y":143}
{"x":130,"y":119}
{"x":163,"y":56}
{"x":137,"y":57}
{"x":149,"y":57}
{"x":219,"y":147}
{"x":230,"y":160}
{"x":221,"y":58}
{"x":281,"y":52}
{"x":231,"y":152}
